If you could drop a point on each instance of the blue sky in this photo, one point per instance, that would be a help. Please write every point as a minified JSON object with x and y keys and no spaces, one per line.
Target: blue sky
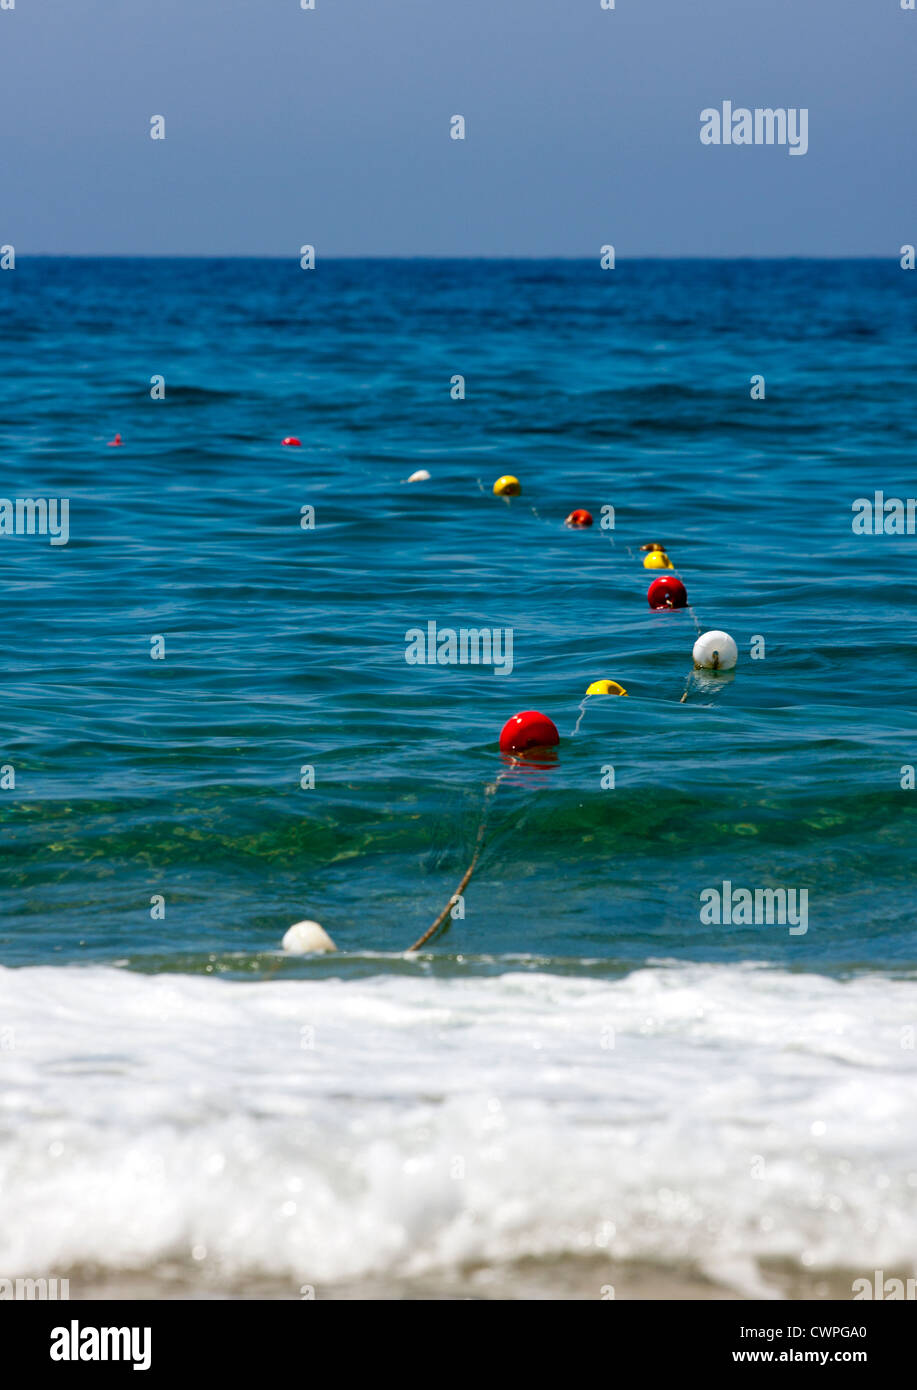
{"x":331,"y":127}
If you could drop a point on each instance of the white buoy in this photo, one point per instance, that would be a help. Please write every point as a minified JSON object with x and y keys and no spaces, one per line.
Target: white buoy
{"x":421,"y":476}
{"x":715,"y":651}
{"x":305,"y":937}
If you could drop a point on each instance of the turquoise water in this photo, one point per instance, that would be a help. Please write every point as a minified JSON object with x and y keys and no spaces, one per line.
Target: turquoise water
{"x":285,"y":647}
{"x":581,"y":1080}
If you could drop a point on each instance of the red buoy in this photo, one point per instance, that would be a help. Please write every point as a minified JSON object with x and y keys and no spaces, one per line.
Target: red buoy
{"x":528,"y":730}
{"x":292,"y":441}
{"x":115,"y":443}
{"x":579,"y":518}
{"x":667,"y":593}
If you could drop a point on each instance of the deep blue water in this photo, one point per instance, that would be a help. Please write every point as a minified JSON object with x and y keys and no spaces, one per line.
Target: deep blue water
{"x":286,"y":646}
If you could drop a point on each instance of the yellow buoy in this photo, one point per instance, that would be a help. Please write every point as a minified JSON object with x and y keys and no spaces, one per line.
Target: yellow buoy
{"x":657,"y":560}
{"x":605,"y":688}
{"x":507,"y":486}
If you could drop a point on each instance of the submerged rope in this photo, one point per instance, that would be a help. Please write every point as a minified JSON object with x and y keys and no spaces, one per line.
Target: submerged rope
{"x":437,"y":922}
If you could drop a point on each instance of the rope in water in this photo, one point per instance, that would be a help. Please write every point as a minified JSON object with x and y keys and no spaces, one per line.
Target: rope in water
{"x":440,"y":922}
{"x":489,"y":792}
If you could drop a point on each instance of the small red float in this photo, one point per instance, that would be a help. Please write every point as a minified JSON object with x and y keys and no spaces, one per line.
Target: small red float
{"x":292,"y":442}
{"x":115,"y":443}
{"x":667,"y":593}
{"x":528,"y":730}
{"x":579,"y":518}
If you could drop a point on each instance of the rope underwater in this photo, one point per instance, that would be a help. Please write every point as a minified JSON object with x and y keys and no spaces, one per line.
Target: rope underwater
{"x":528,"y":735}
{"x":489,"y":792}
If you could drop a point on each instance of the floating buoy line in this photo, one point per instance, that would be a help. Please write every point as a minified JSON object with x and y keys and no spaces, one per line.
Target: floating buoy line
{"x":530,"y":736}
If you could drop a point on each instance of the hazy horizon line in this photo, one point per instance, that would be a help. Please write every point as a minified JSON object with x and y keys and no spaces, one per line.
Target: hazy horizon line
{"x":294,"y":256}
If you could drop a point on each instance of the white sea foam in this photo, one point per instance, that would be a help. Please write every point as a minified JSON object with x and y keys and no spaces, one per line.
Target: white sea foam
{"x":317,"y":1131}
